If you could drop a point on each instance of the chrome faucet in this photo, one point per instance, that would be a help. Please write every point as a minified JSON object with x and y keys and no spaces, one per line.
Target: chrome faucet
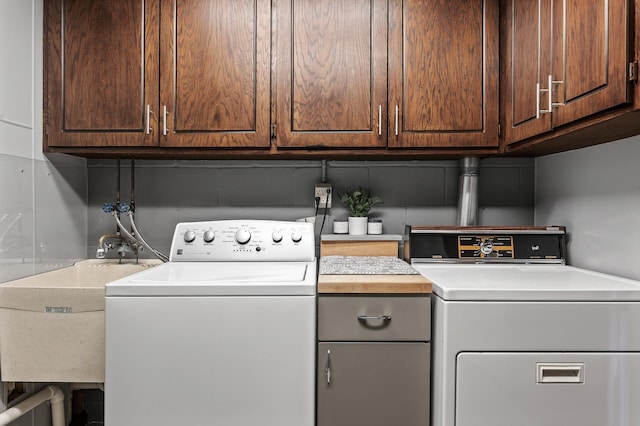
{"x":111,"y":241}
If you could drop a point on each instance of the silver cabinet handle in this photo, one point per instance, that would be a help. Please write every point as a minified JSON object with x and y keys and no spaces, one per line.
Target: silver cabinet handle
{"x":396,"y":120}
{"x":148,"y":119}
{"x":164,"y":120}
{"x":550,"y":91}
{"x":374,"y":317}
{"x":379,"y":120}
{"x":551,"y":84}
{"x":327,"y":368}
{"x":539,"y":93}
{"x":537,"y":100}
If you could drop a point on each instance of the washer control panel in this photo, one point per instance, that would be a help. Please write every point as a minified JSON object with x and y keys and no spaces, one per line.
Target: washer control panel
{"x":243,"y":240}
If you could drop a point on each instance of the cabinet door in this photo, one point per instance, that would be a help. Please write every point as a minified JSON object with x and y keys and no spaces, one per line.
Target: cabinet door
{"x":215,"y":73}
{"x":332,"y":73}
{"x":546,"y":44}
{"x":373,"y":384}
{"x":590,"y":58}
{"x":101,"y":72}
{"x":526,"y":30}
{"x":443,"y":75}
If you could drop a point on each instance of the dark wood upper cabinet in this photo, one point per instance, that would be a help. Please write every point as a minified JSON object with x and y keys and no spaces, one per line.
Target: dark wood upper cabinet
{"x":441,"y":90}
{"x":563,"y":61}
{"x":590,"y":57}
{"x":101,"y":70}
{"x":331,"y":73}
{"x":215,"y":67}
{"x":338,"y":78}
{"x":175,"y":73}
{"x":443,"y":74}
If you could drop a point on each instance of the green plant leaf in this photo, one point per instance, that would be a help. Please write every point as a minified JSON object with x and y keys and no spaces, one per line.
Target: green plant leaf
{"x":359,"y":201}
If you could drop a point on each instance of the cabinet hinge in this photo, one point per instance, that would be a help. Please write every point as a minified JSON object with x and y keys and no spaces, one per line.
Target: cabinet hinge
{"x":499,"y":130}
{"x":633,"y":71}
{"x":274,"y":129}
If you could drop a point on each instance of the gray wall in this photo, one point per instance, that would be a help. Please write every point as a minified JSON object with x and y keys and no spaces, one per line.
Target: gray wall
{"x":595,"y":192}
{"x":414,"y":192}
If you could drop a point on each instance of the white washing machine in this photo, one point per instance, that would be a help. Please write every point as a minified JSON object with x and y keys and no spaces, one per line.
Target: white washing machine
{"x":522,"y":339}
{"x":222,"y":334}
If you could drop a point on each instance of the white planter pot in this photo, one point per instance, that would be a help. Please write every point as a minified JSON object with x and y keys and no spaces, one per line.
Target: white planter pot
{"x":358,"y":225}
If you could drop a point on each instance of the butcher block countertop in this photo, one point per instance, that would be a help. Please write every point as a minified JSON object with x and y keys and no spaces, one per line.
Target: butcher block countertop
{"x":369,"y":274}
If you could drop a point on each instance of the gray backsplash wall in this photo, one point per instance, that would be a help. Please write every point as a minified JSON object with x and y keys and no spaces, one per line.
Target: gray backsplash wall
{"x":414,"y":192}
{"x":595,"y":192}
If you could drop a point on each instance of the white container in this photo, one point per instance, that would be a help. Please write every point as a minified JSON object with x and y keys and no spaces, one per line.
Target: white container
{"x":374,"y":227}
{"x":358,"y":225}
{"x":340,"y":226}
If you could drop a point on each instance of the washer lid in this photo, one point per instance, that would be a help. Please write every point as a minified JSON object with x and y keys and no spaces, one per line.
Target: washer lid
{"x":219,"y":279}
{"x":526,"y":283}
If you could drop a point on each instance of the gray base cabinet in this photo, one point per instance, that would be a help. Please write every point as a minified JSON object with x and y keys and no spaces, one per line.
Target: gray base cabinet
{"x":373,"y":384}
{"x":373,"y":360}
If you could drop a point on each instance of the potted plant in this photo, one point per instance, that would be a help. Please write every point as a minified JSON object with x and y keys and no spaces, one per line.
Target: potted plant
{"x":359,"y":201}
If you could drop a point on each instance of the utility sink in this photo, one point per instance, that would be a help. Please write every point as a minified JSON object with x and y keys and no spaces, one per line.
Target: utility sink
{"x":52,"y":324}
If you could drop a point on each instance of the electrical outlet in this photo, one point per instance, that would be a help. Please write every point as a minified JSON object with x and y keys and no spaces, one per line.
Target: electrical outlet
{"x":324,"y":192}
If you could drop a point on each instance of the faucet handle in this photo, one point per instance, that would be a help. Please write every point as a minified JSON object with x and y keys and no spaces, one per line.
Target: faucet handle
{"x":123,"y":207}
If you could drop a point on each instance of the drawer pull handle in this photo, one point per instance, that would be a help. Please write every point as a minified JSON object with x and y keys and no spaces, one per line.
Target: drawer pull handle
{"x":374,"y":317}
{"x":560,"y":372}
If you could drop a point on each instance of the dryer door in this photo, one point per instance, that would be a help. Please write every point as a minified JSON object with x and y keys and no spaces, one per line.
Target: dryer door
{"x":533,"y":389}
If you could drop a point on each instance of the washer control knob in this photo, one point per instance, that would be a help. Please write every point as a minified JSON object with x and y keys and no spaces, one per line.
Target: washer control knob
{"x":296,"y":236}
{"x":276,"y":236}
{"x":243,"y":236}
{"x":208,"y":236}
{"x":189,"y":237}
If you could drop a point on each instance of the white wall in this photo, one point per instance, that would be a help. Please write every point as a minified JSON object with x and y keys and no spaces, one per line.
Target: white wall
{"x":595,"y":192}
{"x":43,"y":221}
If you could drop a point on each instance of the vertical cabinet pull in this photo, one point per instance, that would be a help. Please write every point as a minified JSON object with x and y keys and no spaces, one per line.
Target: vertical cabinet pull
{"x":327,"y":367}
{"x":396,"y":120}
{"x":537,"y":100}
{"x":550,"y":95}
{"x":148,"y":119}
{"x":551,"y":84}
{"x":549,"y":91}
{"x":164,"y":120}
{"x":539,"y":91}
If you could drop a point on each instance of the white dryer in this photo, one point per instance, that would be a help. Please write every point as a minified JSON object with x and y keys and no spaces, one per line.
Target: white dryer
{"x":519,"y":337}
{"x":222,"y":334}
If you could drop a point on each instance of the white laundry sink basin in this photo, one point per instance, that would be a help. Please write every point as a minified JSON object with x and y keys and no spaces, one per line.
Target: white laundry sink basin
{"x":52,"y":324}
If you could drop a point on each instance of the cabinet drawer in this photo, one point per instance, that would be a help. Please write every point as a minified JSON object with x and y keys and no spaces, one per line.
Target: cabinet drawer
{"x":374,"y":318}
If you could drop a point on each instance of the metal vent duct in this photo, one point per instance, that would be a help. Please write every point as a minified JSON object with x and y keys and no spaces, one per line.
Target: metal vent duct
{"x":468,"y":192}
